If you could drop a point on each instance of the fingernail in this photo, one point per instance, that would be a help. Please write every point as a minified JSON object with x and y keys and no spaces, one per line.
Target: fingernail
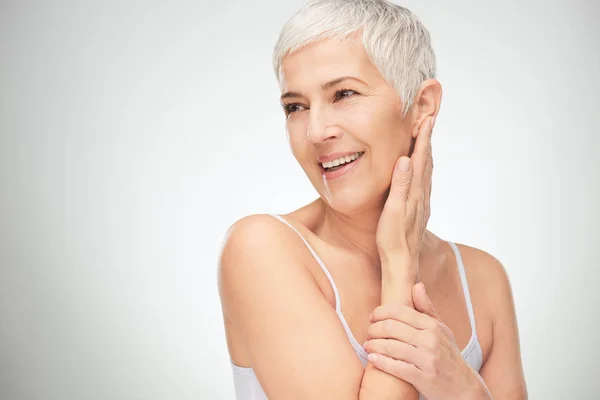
{"x":372,"y":357}
{"x":365,"y":345}
{"x":403,"y":164}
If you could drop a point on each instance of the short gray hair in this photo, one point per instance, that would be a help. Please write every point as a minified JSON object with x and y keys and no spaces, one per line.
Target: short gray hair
{"x":395,"y":40}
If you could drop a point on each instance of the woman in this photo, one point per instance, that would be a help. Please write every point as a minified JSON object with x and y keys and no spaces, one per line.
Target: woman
{"x":329,"y":301}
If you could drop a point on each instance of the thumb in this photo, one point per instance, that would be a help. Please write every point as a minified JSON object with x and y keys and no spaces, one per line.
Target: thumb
{"x":401,"y":178}
{"x":422,"y":302}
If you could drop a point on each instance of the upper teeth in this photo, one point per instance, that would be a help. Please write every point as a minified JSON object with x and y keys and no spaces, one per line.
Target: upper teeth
{"x":342,"y":160}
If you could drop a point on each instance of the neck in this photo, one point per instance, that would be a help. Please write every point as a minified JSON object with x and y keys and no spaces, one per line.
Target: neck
{"x":356,"y":231}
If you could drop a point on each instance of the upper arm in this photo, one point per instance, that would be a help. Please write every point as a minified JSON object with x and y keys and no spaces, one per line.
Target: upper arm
{"x":297,"y":346}
{"x":503,"y":370}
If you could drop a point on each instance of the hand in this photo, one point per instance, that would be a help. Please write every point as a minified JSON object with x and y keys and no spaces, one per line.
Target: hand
{"x":406,"y":211}
{"x":417,"y":347}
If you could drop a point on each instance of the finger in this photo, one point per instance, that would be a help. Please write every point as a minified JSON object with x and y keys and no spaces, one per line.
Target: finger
{"x":400,"y":369}
{"x":402,"y":313}
{"x":427,"y":201}
{"x":419,"y":157}
{"x":392,"y":329}
{"x":401,"y":182}
{"x":427,"y":187}
{"x":422,"y":301}
{"x":394,"y":349}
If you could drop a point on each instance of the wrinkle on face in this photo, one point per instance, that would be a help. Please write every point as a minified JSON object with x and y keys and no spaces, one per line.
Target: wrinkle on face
{"x":368,"y":121}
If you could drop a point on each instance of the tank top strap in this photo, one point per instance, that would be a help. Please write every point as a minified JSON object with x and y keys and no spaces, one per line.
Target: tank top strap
{"x":338,"y":306}
{"x":465,"y":286}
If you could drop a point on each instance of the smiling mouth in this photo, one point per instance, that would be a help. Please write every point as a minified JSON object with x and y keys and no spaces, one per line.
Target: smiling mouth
{"x":330,"y":166}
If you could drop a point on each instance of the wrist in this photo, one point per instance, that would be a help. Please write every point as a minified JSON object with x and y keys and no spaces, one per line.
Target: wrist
{"x":401,"y":267}
{"x":398,"y":276}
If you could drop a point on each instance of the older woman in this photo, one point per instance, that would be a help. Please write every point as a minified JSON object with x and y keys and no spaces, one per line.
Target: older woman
{"x":329,"y":301}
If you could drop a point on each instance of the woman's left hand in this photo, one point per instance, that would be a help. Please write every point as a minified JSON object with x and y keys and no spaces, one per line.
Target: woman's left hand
{"x":417,"y":347}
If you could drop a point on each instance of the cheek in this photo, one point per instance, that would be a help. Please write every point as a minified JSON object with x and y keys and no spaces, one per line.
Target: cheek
{"x":296,"y":138}
{"x":382,"y":130}
{"x":388,"y":138}
{"x":376,"y":118}
{"x":302,"y":149}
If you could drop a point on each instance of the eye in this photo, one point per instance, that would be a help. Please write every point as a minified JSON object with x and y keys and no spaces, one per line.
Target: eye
{"x":342,"y":93}
{"x":293,"y":107}
{"x":290,"y":108}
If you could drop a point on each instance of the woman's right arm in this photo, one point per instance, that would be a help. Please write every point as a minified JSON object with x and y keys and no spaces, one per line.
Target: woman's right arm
{"x":296,"y":345}
{"x":399,"y":237}
{"x":398,"y":277}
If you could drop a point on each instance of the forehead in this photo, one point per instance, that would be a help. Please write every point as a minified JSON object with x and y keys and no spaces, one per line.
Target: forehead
{"x":325,"y":60}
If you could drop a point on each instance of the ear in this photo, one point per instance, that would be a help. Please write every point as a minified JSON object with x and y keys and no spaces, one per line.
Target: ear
{"x":427,"y":103}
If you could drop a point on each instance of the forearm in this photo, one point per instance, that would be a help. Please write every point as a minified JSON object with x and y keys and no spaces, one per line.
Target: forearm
{"x":398,"y":278}
{"x":479,"y":390}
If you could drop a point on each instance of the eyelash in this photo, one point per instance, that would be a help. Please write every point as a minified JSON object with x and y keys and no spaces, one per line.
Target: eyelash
{"x":286,"y":108}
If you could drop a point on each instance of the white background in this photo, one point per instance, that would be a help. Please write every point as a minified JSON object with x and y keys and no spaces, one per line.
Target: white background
{"x":132,"y":135}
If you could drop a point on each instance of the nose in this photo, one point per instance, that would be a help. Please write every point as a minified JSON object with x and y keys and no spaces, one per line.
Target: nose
{"x":322,"y":126}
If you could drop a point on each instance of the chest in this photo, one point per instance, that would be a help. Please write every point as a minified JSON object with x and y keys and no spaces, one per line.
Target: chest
{"x":359,"y":287}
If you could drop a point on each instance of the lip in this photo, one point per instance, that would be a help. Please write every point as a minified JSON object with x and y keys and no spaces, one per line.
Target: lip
{"x":338,"y":173}
{"x":334,"y":156}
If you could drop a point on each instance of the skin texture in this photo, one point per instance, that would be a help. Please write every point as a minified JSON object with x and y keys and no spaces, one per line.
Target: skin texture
{"x":415,"y":345}
{"x":278,"y":305}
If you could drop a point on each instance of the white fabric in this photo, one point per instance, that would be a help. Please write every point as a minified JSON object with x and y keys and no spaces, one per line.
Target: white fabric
{"x":247,"y":386}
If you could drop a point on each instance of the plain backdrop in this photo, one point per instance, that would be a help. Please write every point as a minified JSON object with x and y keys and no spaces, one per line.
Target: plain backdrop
{"x":133,"y":134}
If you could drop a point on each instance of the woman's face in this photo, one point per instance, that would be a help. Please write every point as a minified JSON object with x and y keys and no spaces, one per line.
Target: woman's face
{"x":337,"y":102}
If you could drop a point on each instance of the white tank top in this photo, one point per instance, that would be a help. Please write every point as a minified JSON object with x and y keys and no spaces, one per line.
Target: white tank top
{"x":247,"y":386}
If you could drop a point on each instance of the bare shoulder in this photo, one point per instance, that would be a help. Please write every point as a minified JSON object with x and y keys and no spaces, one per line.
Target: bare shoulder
{"x":255,"y":229}
{"x":247,"y":244}
{"x":492,"y":294}
{"x":274,"y":311}
{"x":486,"y":274}
{"x":482,"y":262}
{"x":489,"y":285}
{"x":490,"y":288}
{"x":257,"y":235}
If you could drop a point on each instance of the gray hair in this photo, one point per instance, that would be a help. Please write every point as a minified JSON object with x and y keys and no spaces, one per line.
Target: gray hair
{"x":395,"y":40}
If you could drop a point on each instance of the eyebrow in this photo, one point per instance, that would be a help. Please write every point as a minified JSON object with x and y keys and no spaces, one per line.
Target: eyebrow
{"x":325,"y":86}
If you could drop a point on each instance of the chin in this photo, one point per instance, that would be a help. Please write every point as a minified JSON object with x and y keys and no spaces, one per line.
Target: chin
{"x":351,"y":200}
